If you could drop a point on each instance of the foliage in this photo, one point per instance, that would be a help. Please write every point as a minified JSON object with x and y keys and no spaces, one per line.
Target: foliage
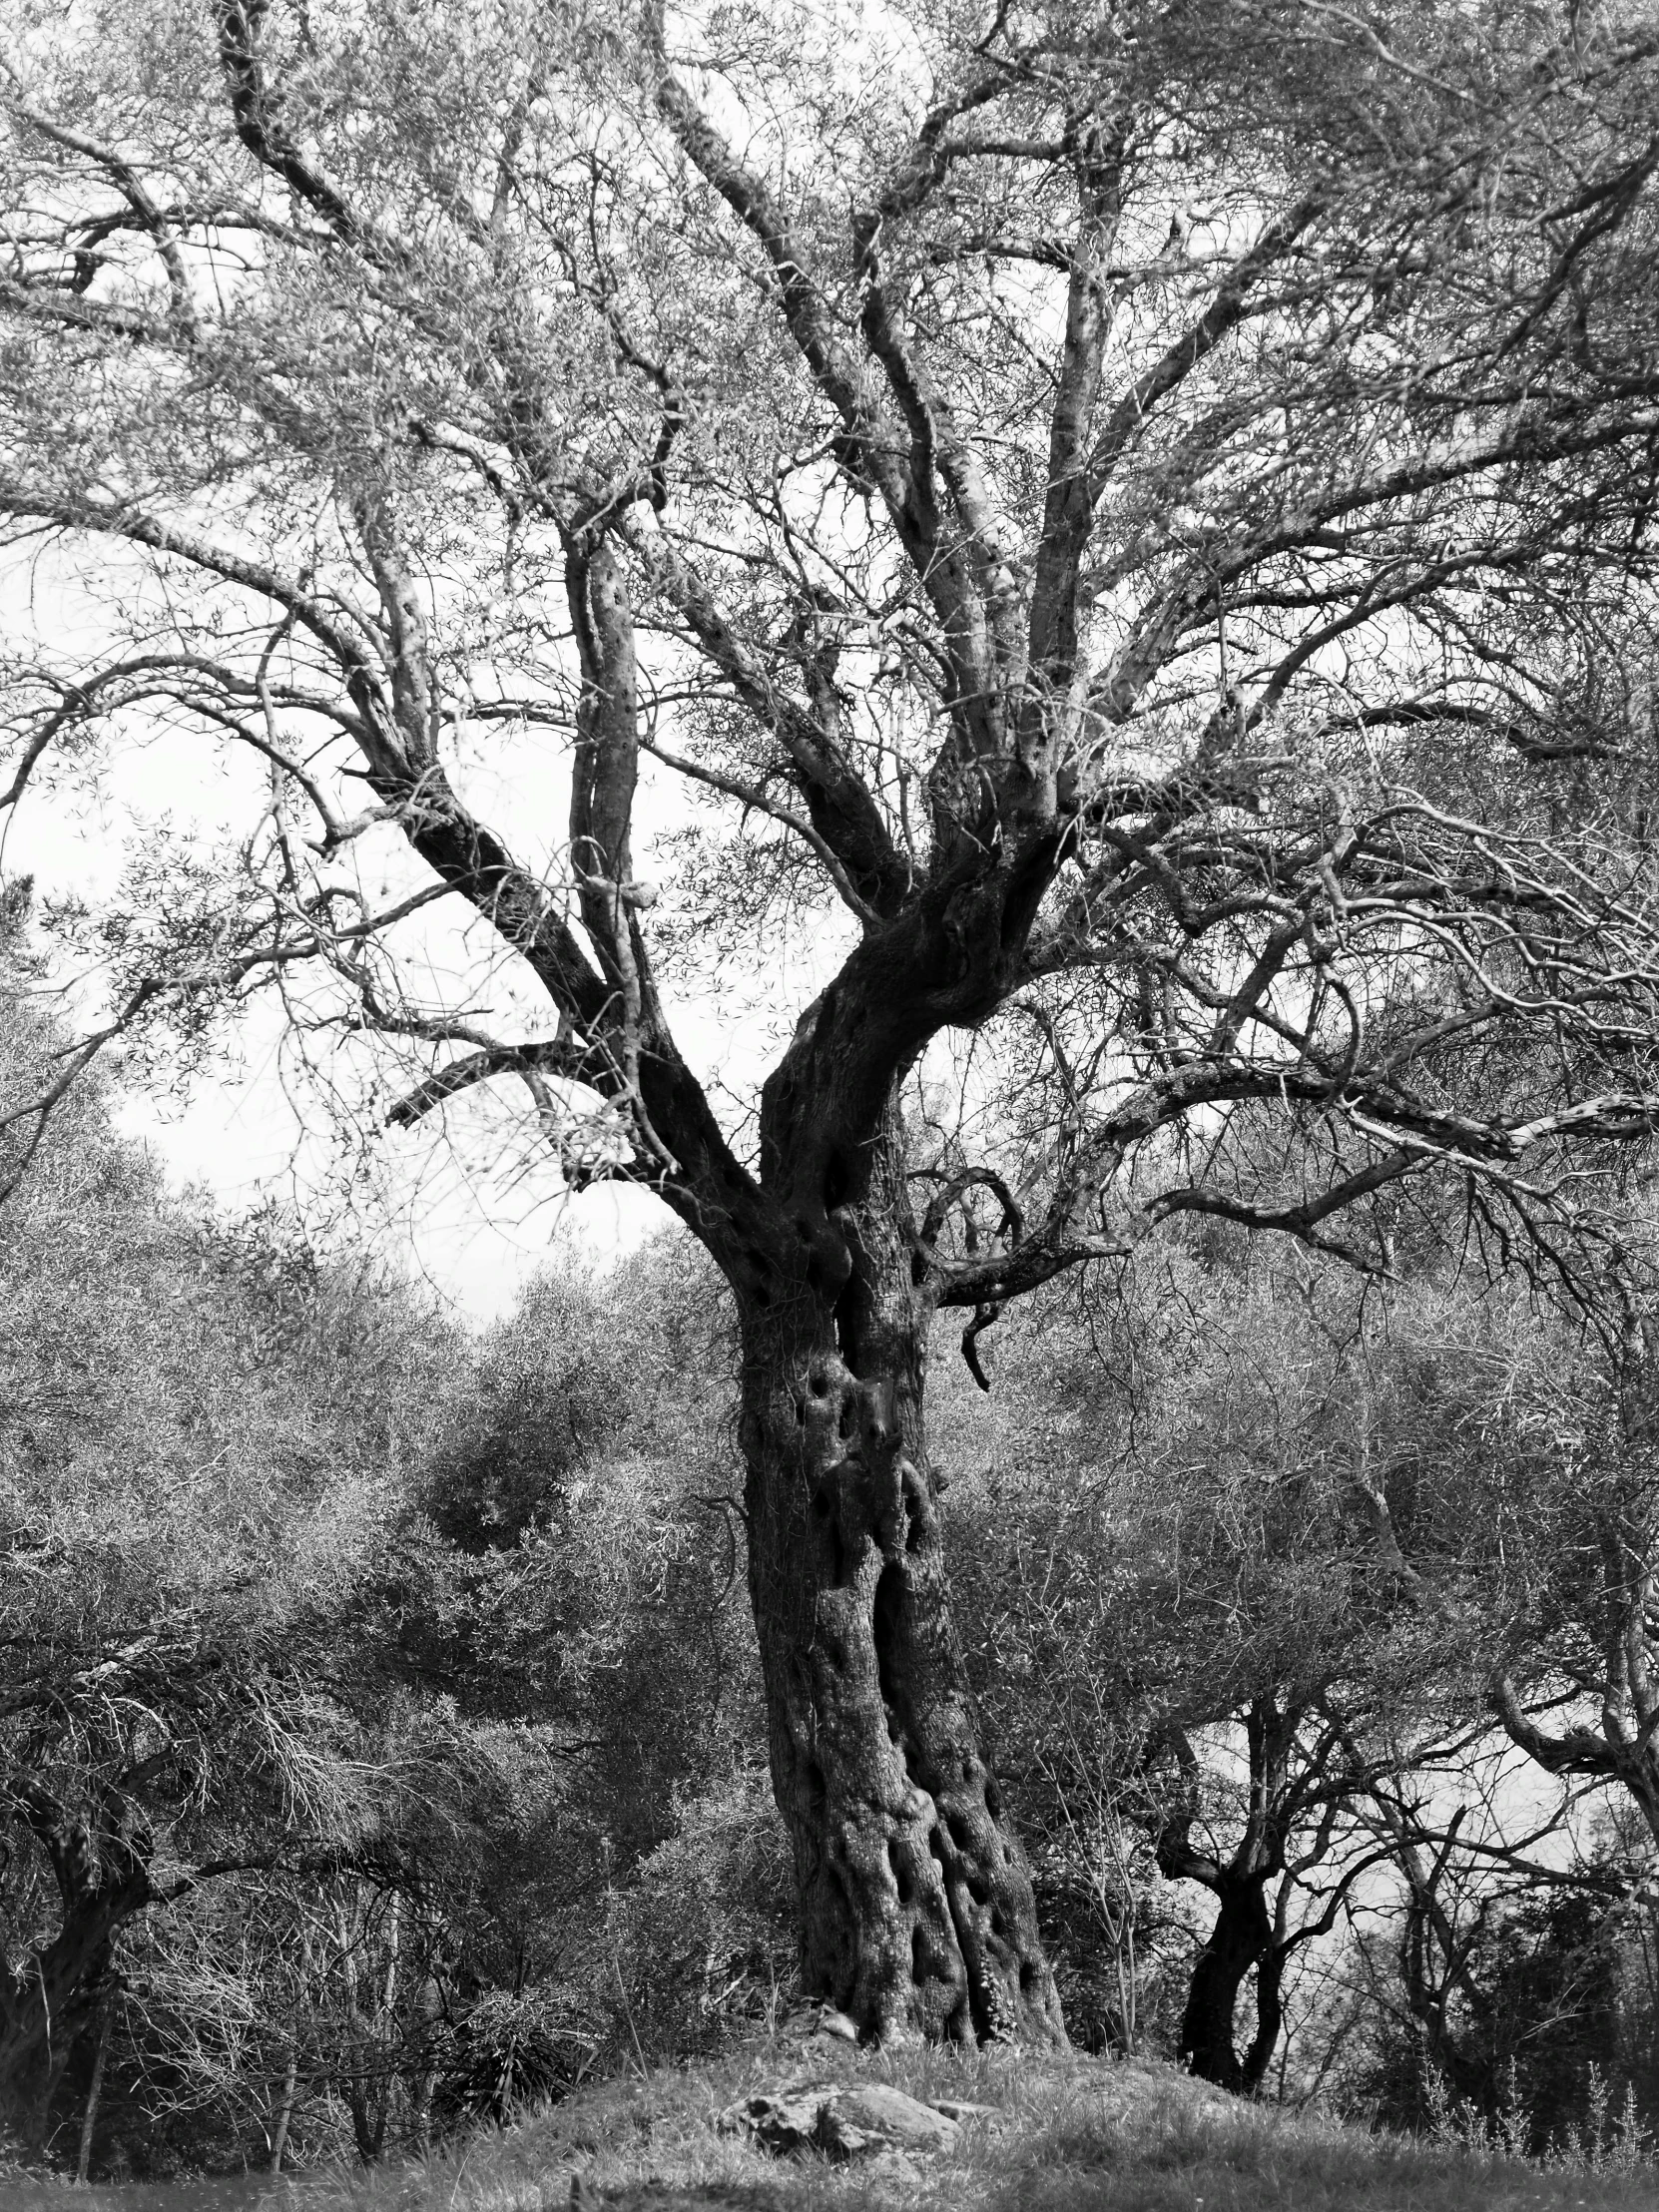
{"x":701,"y":1942}
{"x":373,"y":1780}
{"x":1140,"y":523}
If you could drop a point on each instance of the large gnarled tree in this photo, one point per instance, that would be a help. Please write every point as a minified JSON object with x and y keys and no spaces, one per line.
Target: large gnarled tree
{"x":1126,"y":509}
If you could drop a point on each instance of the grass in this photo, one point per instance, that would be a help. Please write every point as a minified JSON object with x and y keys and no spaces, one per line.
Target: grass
{"x":1067,"y":2136}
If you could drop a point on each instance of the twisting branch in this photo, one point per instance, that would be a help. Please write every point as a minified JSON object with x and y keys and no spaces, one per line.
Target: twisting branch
{"x":555,"y":1057}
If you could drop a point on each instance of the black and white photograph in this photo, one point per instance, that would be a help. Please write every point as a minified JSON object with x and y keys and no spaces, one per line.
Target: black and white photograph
{"x":828,"y":1105}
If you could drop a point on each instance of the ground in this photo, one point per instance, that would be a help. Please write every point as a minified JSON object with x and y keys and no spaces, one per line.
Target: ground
{"x":1066,"y":2135}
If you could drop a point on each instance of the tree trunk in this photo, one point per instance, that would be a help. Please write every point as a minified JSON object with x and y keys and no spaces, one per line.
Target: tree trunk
{"x":284,"y":2108}
{"x":1269,"y":2017}
{"x":100,"y":1857}
{"x":1240,"y":1939}
{"x":915,"y":1901}
{"x":95,"y":2087}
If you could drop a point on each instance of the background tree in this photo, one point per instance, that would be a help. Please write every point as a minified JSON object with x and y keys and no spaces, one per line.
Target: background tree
{"x":1132,"y":508}
{"x":196,"y":1431}
{"x":1581,"y":1619}
{"x":1502,"y":1984}
{"x":315,"y":1816}
{"x":1182,"y":1551}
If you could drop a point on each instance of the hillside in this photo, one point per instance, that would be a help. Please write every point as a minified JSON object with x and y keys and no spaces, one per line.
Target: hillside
{"x":1058,"y":2137}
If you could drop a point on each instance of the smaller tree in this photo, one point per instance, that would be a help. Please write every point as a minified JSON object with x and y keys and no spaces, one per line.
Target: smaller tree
{"x":1197,"y":1600}
{"x":1274,"y":1889}
{"x":197,"y":1430}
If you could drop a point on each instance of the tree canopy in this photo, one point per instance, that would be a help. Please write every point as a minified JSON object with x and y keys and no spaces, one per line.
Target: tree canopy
{"x":1135,"y":520}
{"x":1210,"y":459}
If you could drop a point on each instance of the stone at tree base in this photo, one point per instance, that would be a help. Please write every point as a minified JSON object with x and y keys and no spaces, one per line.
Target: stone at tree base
{"x":876,"y":2115}
{"x":822,"y":2035}
{"x":780,"y":2121}
{"x":867,"y":2120}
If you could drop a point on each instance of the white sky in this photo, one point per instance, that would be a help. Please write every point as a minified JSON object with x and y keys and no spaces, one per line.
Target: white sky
{"x":470,"y":1206}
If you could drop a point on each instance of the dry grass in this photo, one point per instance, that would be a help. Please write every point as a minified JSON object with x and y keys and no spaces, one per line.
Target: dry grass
{"x":1066,"y":2136}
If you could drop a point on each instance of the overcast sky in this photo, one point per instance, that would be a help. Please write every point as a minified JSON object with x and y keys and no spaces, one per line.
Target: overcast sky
{"x":470,"y":1207}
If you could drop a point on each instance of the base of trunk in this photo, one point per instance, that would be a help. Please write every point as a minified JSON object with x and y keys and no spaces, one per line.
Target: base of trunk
{"x":917,"y":1906}
{"x":1239,"y":1941}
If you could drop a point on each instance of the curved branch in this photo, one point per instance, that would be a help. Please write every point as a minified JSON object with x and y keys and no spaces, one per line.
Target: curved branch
{"x":938,"y":1207}
{"x":1576,"y":1751}
{"x":557,"y":1058}
{"x":258,"y":124}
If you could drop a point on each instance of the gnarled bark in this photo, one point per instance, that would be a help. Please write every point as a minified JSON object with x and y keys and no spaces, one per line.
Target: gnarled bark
{"x":917,"y":1908}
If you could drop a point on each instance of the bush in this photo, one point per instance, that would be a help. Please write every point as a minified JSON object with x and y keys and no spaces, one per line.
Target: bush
{"x":702,"y":1941}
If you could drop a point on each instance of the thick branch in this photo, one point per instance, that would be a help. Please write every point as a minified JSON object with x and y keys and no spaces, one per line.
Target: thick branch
{"x":839,"y":805}
{"x":1574,"y":1750}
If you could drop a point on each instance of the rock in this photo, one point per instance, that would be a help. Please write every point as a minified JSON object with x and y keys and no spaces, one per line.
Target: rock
{"x":892,"y":2166}
{"x":781,"y":2121}
{"x":878,"y":2115}
{"x":868,"y":2120}
{"x":815,"y":2023}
